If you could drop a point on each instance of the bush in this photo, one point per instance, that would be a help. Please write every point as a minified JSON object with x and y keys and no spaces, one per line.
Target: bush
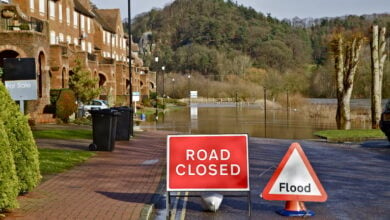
{"x":21,"y":142}
{"x":66,"y":105}
{"x":8,"y":180}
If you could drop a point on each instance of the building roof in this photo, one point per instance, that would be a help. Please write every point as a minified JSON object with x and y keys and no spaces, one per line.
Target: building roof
{"x":108,"y":18}
{"x":82,"y":9}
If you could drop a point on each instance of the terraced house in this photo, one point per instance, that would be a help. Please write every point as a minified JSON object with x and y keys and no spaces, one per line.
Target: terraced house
{"x":57,"y":33}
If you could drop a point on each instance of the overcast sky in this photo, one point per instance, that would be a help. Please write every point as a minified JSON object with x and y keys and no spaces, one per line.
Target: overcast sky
{"x":278,"y":8}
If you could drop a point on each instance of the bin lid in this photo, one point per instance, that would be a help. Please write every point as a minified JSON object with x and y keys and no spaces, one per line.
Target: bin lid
{"x":123,"y":109}
{"x":107,"y":111}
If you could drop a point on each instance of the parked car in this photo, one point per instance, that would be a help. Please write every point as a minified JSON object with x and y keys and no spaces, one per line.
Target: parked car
{"x":93,"y":105}
{"x":384,"y":123}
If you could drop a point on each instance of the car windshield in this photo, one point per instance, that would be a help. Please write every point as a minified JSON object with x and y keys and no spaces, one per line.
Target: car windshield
{"x":387,"y":107}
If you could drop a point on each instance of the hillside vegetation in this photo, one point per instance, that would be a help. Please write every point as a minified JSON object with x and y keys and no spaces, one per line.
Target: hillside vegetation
{"x":222,"y":40}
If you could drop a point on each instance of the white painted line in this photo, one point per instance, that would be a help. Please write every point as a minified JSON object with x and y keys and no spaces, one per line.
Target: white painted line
{"x":183,"y":212}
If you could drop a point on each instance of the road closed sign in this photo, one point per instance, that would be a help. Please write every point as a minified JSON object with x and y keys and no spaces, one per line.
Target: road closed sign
{"x":294,"y":179}
{"x":207,"y":163}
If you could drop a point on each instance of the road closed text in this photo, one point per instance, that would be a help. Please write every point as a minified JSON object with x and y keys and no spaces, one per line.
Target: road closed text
{"x":213,"y":169}
{"x":207,"y":162}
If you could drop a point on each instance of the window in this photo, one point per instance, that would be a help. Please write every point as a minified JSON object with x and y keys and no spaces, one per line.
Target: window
{"x":32,"y":5}
{"x":68,"y":16}
{"x":83,"y":45}
{"x":75,"y":41}
{"x":68,"y":39}
{"x":52,"y":9}
{"x":61,"y":37}
{"x":42,"y":7}
{"x":82,"y":22}
{"x":75,"y":19}
{"x":108,"y":38}
{"x":88,"y":25}
{"x":52,"y":37}
{"x":89,"y":47}
{"x":60,"y":12}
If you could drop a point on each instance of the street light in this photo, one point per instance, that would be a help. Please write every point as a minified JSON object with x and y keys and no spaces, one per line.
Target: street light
{"x":155,"y":86}
{"x":163,"y":87}
{"x":189,"y":89}
{"x":173,"y":87}
{"x":130,"y":70}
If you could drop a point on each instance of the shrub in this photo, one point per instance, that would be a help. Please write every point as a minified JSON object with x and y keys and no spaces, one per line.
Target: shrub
{"x":21,"y":142}
{"x":8,"y":180}
{"x":66,"y":105}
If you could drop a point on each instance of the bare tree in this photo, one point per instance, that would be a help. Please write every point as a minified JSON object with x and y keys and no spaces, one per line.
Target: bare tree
{"x":378,"y":57}
{"x":346,"y":55}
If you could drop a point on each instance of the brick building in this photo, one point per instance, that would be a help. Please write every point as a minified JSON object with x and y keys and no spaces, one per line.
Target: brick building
{"x":57,"y":33}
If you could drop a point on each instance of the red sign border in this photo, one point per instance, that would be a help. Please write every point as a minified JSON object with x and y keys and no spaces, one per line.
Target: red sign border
{"x":287,"y":197}
{"x":208,"y":189}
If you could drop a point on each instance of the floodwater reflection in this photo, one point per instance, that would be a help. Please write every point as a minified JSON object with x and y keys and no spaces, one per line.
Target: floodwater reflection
{"x":229,"y":119}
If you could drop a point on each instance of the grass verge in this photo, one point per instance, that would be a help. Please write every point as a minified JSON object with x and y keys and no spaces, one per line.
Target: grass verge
{"x":350,"y":135}
{"x":63,"y":134}
{"x":54,"y":161}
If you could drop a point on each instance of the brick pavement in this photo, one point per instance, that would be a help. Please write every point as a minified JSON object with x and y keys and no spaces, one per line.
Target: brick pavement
{"x":111,"y":185}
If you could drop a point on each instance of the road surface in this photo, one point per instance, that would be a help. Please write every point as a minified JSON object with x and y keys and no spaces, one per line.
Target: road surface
{"x":356,"y":178}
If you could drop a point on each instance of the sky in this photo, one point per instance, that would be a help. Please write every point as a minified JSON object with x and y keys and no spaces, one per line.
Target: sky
{"x":277,"y":8}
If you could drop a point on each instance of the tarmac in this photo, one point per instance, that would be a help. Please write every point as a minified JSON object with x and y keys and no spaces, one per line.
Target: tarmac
{"x":111,"y":185}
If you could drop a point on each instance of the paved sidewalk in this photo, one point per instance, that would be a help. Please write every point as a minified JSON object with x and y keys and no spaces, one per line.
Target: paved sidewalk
{"x":111,"y":185}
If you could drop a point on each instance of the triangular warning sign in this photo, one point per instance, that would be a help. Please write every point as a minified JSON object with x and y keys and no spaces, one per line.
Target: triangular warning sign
{"x":294,"y":179}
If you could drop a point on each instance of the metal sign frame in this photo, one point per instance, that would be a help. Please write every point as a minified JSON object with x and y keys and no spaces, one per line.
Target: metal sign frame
{"x":225,"y":190}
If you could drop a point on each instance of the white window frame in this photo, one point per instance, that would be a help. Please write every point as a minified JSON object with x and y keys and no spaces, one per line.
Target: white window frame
{"x":32,"y":5}
{"x":52,"y":37}
{"x":108,"y":38}
{"x":60,"y":12}
{"x":68,"y":15}
{"x":75,"y":19}
{"x":82,"y":22}
{"x":88,"y":25}
{"x":89,"y":46}
{"x":83,"y":45}
{"x":61,"y":37}
{"x":76,"y":41}
{"x":42,"y":9}
{"x":52,"y":10}
{"x":68,"y":39}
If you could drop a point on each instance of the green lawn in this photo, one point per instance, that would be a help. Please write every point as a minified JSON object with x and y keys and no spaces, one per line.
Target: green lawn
{"x":63,"y":134}
{"x":54,"y":161}
{"x":351,"y":135}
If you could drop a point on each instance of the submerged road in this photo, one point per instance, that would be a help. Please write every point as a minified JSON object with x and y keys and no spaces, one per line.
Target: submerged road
{"x":356,"y":178}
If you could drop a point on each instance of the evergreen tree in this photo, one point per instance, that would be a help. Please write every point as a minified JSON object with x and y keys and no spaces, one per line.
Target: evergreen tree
{"x":22,"y":143}
{"x":8,"y":180}
{"x":83,"y":84}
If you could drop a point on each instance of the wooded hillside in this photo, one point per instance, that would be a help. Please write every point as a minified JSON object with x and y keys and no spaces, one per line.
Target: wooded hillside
{"x":220,"y":38}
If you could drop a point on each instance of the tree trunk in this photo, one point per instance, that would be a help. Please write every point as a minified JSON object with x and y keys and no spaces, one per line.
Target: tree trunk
{"x":378,"y":57}
{"x":346,"y":56}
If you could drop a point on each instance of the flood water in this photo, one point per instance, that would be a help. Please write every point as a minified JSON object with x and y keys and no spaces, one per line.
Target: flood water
{"x":251,"y":120}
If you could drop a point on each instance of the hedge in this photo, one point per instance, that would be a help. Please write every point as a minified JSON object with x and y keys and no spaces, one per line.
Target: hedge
{"x":8,"y":179}
{"x":21,"y":142}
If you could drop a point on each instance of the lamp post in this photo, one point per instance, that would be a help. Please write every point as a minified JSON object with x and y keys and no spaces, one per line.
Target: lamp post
{"x":173,"y":87}
{"x":189,"y":89}
{"x":156,"y":60}
{"x":163,"y":86}
{"x":130,"y":70}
